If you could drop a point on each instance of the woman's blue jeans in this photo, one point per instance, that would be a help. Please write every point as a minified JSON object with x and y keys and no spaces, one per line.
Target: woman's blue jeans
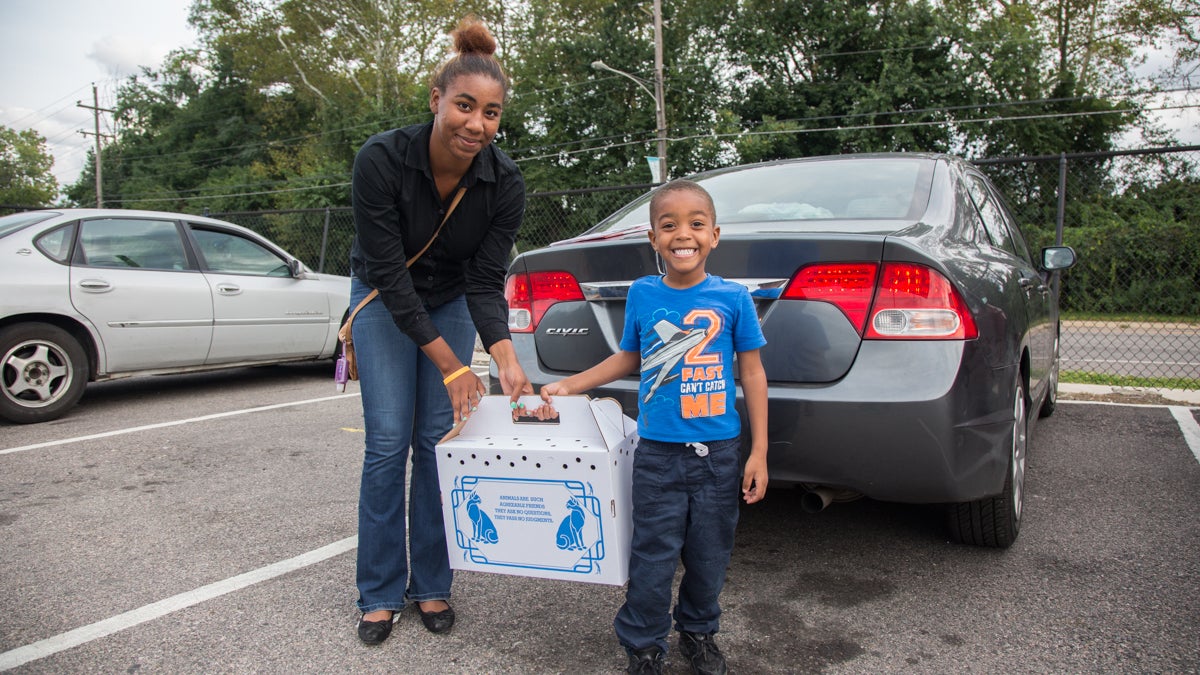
{"x":685,"y":507}
{"x":405,"y":405}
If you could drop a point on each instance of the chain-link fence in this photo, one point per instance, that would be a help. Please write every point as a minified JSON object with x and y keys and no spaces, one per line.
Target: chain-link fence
{"x":1131,"y":304}
{"x":321,"y":237}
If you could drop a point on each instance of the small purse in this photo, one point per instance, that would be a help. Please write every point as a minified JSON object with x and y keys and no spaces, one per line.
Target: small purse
{"x":347,"y":365}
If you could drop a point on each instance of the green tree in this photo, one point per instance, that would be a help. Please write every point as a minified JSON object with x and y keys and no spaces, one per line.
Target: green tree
{"x":576,"y":126}
{"x":271,"y":108}
{"x":826,"y":76}
{"x":1057,"y":76}
{"x":25,"y":178}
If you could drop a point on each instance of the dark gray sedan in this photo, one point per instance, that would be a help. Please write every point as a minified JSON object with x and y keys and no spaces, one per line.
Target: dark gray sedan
{"x":912,"y":336}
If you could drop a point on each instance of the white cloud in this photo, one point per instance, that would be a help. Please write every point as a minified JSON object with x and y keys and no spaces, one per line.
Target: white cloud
{"x":121,"y":56}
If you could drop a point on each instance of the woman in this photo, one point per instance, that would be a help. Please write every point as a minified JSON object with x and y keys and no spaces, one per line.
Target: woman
{"x":414,"y":342}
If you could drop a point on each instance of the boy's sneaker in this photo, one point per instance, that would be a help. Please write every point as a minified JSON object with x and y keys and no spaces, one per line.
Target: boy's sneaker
{"x":645,"y":661}
{"x":701,"y":650}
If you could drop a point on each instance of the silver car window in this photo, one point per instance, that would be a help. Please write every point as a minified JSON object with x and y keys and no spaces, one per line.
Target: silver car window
{"x":229,"y":253}
{"x":133,"y":243}
{"x":56,"y":243}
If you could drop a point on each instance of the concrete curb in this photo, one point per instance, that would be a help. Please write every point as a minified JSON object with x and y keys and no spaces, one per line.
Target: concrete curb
{"x":1101,"y":392}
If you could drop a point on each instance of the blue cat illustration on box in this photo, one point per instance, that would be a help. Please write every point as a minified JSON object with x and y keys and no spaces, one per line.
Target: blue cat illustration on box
{"x":570,"y":531}
{"x":483,"y":530}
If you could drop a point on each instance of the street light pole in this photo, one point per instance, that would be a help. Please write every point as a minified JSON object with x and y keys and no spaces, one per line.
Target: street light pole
{"x":660,"y":111}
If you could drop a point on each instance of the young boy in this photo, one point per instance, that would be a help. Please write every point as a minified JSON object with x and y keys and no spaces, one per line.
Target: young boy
{"x":682,"y":329}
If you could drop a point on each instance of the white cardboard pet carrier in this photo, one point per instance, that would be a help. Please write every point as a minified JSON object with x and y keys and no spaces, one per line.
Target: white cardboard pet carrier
{"x":545,"y":500}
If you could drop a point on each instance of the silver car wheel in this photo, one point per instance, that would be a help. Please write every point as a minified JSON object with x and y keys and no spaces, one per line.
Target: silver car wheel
{"x":36,"y":373}
{"x":43,"y":370}
{"x":1020,"y":444}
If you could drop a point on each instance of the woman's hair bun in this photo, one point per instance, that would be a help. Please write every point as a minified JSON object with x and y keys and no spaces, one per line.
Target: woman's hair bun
{"x":474,"y":49}
{"x":472,"y":36}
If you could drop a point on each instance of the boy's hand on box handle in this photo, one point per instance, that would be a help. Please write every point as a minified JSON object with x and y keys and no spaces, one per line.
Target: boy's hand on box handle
{"x":546,"y":411}
{"x":543,"y":413}
{"x":554,"y":389}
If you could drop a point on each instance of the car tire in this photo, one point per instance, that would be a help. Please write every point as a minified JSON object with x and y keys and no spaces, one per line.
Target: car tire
{"x":43,"y":370}
{"x":996,"y":521}
{"x":1050,"y":402}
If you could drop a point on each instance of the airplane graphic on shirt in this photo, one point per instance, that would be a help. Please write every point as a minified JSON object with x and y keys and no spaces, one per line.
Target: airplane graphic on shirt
{"x":675,"y":342}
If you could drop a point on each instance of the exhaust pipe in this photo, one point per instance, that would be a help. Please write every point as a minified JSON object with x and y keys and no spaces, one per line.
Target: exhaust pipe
{"x":816,"y":499}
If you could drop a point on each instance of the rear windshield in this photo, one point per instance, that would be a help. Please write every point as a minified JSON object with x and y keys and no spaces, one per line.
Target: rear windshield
{"x":14,"y":222}
{"x":888,"y":188}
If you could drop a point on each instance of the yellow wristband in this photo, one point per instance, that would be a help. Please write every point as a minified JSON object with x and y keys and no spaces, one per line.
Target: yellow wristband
{"x":450,"y":378}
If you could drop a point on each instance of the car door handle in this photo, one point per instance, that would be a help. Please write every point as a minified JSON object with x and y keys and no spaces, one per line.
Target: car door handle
{"x":1031,"y":285}
{"x":95,"y":285}
{"x":229,"y":289}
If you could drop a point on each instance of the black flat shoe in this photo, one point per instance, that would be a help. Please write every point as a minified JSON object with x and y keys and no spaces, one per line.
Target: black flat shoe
{"x":437,"y":622}
{"x":375,"y":632}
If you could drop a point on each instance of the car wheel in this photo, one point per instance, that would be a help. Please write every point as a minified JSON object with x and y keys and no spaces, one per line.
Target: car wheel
{"x":995,"y":521}
{"x":1051,"y":401}
{"x":43,"y":371}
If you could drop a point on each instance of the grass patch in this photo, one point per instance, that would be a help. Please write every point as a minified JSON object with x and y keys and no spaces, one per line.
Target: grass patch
{"x":1128,"y":318}
{"x":1085,"y":377}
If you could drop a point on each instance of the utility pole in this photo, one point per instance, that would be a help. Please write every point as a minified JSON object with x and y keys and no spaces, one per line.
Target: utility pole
{"x":660,"y":105}
{"x":96,"y":110}
{"x":660,"y":102}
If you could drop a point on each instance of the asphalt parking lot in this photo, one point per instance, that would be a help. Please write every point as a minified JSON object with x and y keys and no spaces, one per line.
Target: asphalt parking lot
{"x":206,"y":523}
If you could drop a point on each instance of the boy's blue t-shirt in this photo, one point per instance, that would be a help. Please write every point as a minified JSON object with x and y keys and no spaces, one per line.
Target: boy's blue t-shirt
{"x":687,"y":340}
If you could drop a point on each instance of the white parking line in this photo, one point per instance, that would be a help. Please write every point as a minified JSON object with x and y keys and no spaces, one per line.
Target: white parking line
{"x":95,"y":631}
{"x":84,"y":634}
{"x":1187,"y":424}
{"x":160,"y":425}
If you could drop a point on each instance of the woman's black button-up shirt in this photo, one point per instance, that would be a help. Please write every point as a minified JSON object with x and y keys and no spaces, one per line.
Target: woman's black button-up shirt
{"x":397,"y":209}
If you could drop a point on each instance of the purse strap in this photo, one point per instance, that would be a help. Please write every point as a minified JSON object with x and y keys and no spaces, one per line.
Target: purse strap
{"x":409,"y":263}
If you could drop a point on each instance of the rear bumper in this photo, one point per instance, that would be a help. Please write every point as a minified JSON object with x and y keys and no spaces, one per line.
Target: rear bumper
{"x":911,"y":422}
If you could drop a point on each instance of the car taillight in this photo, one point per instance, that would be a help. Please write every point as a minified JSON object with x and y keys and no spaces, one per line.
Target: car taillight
{"x":895,"y":301}
{"x":915,"y":302}
{"x":530,"y":295}
{"x":848,"y":286}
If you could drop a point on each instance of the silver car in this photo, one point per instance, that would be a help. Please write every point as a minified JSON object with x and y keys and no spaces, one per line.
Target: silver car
{"x":97,"y":294}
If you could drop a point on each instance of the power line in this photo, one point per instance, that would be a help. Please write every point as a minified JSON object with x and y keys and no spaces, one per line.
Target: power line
{"x":851,"y":116}
{"x":241,"y":194}
{"x":650,"y":139}
{"x":42,"y":111}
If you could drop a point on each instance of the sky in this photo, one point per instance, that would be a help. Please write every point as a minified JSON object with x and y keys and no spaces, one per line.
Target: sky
{"x":53,"y":51}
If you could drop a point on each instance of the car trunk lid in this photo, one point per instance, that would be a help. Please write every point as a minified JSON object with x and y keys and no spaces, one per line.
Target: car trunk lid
{"x":578,"y":317}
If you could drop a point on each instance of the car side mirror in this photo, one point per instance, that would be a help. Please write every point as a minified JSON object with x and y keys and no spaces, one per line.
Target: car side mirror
{"x":1056,"y":258}
{"x":296,"y":268}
